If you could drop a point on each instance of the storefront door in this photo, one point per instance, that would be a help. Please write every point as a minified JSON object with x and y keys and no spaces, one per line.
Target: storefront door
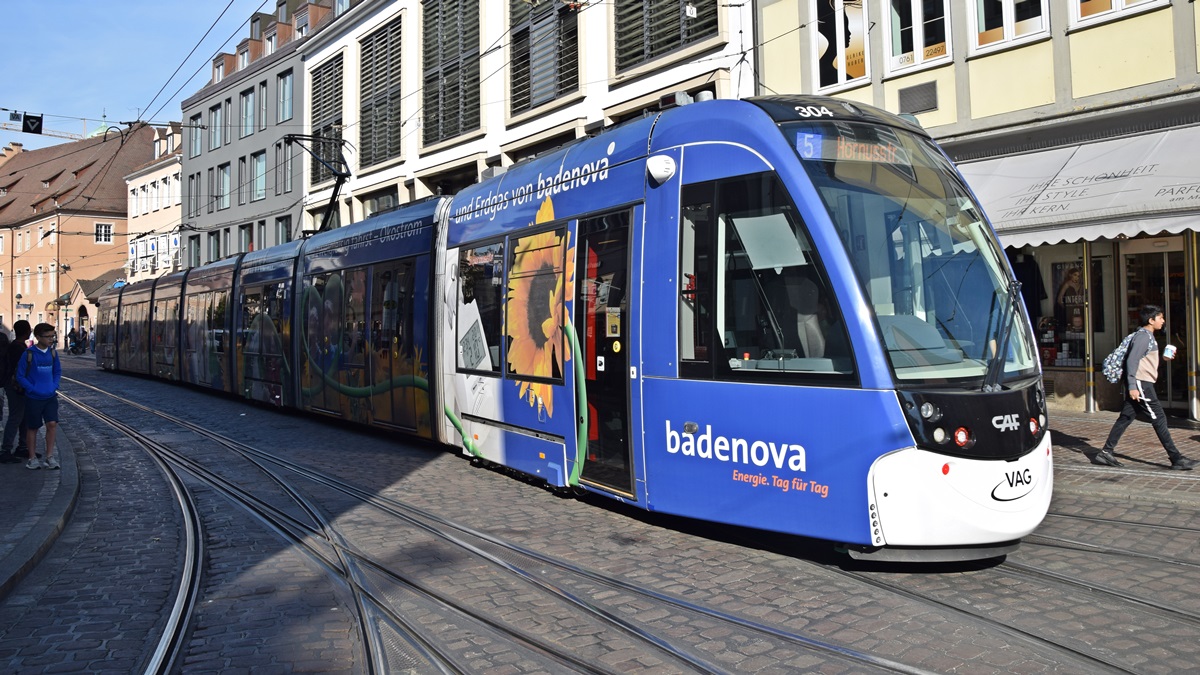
{"x":1155,"y":274}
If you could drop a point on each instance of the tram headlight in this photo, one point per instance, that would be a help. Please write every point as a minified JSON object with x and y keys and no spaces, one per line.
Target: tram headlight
{"x":1034,"y":426}
{"x":930,"y":412}
{"x":939,"y":435}
{"x":963,"y":438}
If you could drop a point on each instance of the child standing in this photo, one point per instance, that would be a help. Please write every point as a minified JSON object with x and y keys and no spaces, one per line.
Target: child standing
{"x":39,"y":372}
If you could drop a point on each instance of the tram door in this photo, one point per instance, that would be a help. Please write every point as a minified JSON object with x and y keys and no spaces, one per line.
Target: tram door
{"x":1155,"y":274}
{"x":602,"y":324}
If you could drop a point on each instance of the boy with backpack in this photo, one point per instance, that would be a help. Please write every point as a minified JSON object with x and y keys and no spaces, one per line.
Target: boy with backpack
{"x":39,"y":373}
{"x":1140,"y":366}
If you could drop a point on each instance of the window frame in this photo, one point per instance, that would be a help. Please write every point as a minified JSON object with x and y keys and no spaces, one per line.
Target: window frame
{"x":381,"y":94}
{"x":839,"y":24}
{"x":258,"y":176}
{"x":512,"y":242}
{"x":1008,"y":36}
{"x":498,"y":338}
{"x":215,"y":125}
{"x":451,"y":84}
{"x":635,"y":23}
{"x":197,"y":138}
{"x":553,"y":23}
{"x":221,"y":194}
{"x":284,"y":92}
{"x":248,"y":110}
{"x":326,"y":99}
{"x":707,"y":277}
{"x":1120,"y":9}
{"x":920,"y":58}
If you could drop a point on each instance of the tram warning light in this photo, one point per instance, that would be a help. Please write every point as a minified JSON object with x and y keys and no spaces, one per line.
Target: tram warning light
{"x":963,"y":438}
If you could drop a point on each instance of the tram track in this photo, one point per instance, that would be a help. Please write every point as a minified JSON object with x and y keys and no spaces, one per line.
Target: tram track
{"x":589,"y":590}
{"x":1038,"y":539}
{"x":350,"y":568}
{"x":553,"y":576}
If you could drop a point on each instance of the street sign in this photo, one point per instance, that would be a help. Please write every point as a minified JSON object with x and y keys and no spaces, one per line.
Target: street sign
{"x":31,"y":124}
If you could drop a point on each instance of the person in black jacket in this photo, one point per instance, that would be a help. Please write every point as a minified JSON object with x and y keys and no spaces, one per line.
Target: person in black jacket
{"x":1141,"y":372}
{"x":14,"y":428}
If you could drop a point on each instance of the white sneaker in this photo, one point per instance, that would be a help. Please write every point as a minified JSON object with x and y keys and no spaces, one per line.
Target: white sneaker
{"x":51,"y":463}
{"x":34,"y":463}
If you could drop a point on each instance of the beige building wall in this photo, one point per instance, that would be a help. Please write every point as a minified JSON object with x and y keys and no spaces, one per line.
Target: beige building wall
{"x":947,"y":96}
{"x":1123,"y":54}
{"x":1016,"y":79}
{"x":781,"y":46}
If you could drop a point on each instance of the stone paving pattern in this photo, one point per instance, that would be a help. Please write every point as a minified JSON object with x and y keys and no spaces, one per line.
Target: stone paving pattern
{"x":54,"y":618}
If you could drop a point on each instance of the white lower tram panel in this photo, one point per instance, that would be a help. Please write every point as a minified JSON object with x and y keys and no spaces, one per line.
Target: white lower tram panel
{"x":923,"y":499}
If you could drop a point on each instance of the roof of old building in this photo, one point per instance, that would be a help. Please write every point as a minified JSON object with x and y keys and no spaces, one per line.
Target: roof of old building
{"x":86,"y":175}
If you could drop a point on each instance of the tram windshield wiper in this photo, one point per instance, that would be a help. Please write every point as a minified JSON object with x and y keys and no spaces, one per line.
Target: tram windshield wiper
{"x":1008,"y":313}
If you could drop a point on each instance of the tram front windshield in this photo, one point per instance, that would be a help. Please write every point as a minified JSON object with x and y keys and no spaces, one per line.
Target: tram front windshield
{"x":930,"y":266}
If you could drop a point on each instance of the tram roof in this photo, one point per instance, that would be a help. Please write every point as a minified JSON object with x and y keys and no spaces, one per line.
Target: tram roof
{"x":797,"y":108}
{"x":421,"y":211}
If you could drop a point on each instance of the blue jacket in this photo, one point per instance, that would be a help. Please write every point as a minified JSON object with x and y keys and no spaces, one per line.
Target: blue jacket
{"x":41,"y":376}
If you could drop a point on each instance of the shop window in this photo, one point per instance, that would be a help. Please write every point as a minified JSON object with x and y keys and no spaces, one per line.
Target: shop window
{"x":840,"y":43}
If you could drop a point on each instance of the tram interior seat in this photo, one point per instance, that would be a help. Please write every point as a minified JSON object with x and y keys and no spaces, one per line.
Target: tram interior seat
{"x":915,"y":342}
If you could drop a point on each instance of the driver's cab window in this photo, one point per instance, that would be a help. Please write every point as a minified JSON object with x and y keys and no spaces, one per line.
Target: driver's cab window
{"x":754,"y":301}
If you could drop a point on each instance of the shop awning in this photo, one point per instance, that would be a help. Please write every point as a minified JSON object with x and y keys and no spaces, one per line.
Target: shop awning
{"x":1124,"y":186}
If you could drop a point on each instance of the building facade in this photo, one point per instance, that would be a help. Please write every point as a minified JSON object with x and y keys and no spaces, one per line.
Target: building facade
{"x":424,"y":98}
{"x":155,"y":207}
{"x":1075,"y":123}
{"x":63,"y":219}
{"x":241,"y":181}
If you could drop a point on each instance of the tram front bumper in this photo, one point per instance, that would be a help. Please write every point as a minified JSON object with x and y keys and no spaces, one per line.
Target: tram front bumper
{"x":921,"y":498}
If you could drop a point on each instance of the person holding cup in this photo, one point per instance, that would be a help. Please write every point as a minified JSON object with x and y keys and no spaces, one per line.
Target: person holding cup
{"x":1141,"y":372}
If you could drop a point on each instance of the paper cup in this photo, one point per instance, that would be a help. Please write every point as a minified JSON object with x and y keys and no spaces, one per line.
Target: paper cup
{"x":1169,"y":352}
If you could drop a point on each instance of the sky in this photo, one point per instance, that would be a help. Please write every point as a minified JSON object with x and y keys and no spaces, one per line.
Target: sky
{"x":78,"y":63}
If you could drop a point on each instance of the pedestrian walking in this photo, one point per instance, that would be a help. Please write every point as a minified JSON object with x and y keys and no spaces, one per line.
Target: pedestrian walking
{"x":1141,"y":372}
{"x":39,"y":373}
{"x":14,"y":427}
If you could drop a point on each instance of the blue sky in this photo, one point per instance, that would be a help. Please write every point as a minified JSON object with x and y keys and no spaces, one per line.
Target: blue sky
{"x":76,"y":61}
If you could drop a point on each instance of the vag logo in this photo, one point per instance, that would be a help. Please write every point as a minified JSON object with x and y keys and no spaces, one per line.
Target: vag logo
{"x":1006,"y":422}
{"x":1016,"y":484}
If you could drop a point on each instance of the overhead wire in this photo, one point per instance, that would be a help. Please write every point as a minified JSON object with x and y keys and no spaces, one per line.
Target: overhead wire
{"x":202,"y":65}
{"x":185,"y":59}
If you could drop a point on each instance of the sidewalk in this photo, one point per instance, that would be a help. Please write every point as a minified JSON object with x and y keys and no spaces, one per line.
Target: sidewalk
{"x":37,"y":504}
{"x":1144,"y":476}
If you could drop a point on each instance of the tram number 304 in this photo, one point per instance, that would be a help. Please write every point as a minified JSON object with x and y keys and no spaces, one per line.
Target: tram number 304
{"x":813,"y":111}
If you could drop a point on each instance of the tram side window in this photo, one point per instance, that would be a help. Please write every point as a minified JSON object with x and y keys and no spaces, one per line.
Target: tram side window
{"x":480,"y":307}
{"x":695,"y":329}
{"x":250,"y":338}
{"x":391,"y":311}
{"x":535,"y":306}
{"x":354,"y":320}
{"x":219,"y":319}
{"x":274,"y":298}
{"x":754,"y":299}
{"x":324,"y":340}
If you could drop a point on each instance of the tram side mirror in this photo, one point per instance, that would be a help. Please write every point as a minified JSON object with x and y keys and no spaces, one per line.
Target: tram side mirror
{"x":660,"y":168}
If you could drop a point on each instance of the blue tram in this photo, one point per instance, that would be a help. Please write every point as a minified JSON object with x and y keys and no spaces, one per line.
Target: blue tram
{"x":786,"y":313}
